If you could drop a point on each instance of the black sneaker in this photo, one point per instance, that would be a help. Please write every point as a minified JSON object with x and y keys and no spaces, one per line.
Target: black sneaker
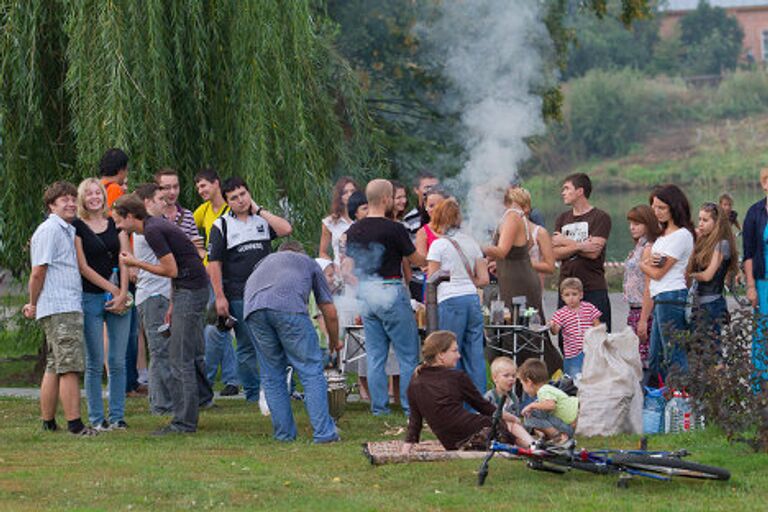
{"x":229,"y":390}
{"x":120,"y":425}
{"x":104,"y":426}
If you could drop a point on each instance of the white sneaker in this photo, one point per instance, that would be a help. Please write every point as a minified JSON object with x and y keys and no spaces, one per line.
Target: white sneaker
{"x":263,"y":407}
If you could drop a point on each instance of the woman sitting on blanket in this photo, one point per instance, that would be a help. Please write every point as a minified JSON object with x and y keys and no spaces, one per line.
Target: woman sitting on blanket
{"x":437,"y":394}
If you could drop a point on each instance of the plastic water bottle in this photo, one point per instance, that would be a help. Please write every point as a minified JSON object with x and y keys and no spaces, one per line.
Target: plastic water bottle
{"x":114,"y":278}
{"x":686,"y":414}
{"x":673,"y":413}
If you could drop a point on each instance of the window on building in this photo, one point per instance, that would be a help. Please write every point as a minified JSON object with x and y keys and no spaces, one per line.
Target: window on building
{"x":764,"y":41}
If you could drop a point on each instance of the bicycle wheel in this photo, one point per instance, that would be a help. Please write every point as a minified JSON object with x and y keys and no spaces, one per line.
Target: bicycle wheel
{"x":670,"y":466}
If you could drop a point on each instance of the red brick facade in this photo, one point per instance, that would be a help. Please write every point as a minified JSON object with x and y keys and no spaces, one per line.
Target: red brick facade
{"x":753,"y":20}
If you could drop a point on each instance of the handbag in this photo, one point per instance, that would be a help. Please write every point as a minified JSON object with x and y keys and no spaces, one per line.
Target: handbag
{"x":467,"y":266}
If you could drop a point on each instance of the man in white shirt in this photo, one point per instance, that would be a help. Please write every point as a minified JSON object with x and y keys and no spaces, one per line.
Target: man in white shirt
{"x":55,"y":300}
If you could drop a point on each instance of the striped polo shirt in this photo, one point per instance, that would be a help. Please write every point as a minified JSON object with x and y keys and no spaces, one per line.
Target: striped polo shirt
{"x":574,"y":322}
{"x":53,"y":245}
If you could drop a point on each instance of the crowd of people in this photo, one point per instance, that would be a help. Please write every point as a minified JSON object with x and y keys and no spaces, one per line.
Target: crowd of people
{"x":111,"y":269}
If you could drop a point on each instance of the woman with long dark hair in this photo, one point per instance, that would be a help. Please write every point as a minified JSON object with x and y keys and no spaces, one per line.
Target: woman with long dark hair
{"x":665,"y":263}
{"x":338,"y":221}
{"x":401,"y":201}
{"x":644,"y":229}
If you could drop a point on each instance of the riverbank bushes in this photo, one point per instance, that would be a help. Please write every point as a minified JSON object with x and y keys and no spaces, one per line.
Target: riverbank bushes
{"x":611,"y":113}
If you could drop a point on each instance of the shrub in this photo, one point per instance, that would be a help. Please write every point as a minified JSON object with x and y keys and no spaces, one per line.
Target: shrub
{"x":721,"y":378}
{"x":740,"y":94}
{"x":609,"y":111}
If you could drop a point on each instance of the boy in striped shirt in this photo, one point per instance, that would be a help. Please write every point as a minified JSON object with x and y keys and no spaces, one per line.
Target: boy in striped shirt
{"x":573,"y":320}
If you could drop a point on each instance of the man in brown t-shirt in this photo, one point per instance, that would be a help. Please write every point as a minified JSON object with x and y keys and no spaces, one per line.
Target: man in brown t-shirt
{"x":579,"y":243}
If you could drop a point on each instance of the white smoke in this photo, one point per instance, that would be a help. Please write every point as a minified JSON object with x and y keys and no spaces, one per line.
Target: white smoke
{"x":491,"y":54}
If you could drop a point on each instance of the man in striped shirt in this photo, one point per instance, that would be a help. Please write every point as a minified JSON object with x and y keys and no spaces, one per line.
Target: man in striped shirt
{"x":573,"y":320}
{"x":55,"y":297}
{"x":168,"y":181}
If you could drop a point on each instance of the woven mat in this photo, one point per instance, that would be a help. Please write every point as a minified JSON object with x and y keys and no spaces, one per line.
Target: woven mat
{"x":389,"y":452}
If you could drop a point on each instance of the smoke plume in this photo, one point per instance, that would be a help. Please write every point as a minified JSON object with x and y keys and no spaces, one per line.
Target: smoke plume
{"x":490,"y":51}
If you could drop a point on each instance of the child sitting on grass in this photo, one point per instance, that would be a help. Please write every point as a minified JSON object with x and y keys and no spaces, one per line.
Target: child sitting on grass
{"x":504,"y":375}
{"x":554,"y":413}
{"x":573,"y":320}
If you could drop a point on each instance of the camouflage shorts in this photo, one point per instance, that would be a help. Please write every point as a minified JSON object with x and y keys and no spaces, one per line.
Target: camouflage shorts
{"x":64,"y":343}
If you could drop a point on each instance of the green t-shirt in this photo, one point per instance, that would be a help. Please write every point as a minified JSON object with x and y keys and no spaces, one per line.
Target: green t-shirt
{"x":566,"y":408}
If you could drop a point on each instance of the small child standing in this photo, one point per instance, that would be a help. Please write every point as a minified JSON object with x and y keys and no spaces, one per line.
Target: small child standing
{"x":573,"y":320}
{"x":504,"y":375}
{"x":554,"y":413}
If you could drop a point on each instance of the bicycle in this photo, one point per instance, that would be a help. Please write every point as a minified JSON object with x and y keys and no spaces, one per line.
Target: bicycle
{"x":658,"y":465}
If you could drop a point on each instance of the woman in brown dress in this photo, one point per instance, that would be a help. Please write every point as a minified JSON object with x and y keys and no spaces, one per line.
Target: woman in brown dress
{"x":514,"y":272}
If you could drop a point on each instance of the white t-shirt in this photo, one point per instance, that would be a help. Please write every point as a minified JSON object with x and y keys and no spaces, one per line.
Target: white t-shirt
{"x":443,"y":252}
{"x":678,"y":245}
{"x":147,"y":283}
{"x":337,"y":228}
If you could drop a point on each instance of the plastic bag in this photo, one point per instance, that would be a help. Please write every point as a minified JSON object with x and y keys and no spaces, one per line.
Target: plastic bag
{"x":653,"y":410}
{"x":610,"y":396}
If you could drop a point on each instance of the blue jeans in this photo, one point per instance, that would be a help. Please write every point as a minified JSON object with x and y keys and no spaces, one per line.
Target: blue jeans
{"x":668,"y":318}
{"x":289,"y":339}
{"x":118,"y":328}
{"x":388,"y":318}
{"x":152,"y":313}
{"x":463,"y":317}
{"x":247,"y":360}
{"x":572,"y":365}
{"x":219,"y":350}
{"x":712,"y":316}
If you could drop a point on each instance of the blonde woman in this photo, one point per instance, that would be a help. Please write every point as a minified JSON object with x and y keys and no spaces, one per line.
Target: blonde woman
{"x":514,"y":270}
{"x":98,"y":244}
{"x":540,"y":245}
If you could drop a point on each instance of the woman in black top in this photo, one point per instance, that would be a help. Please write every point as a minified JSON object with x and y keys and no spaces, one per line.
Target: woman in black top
{"x":714,"y":257}
{"x":437,"y":393}
{"x":98,"y":244}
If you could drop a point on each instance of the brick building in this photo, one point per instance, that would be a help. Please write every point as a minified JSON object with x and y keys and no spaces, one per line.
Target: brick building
{"x":752,"y":15}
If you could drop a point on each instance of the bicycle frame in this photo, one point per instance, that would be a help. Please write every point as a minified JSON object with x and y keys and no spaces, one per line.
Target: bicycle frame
{"x":601,"y":458}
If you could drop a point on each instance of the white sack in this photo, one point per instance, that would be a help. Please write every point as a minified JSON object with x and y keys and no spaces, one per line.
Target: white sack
{"x":610,"y":396}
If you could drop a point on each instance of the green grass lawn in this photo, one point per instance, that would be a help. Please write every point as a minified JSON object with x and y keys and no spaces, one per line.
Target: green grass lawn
{"x":233,"y":463}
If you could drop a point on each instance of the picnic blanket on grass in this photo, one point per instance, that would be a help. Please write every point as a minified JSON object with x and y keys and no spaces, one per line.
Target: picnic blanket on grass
{"x":389,"y":452}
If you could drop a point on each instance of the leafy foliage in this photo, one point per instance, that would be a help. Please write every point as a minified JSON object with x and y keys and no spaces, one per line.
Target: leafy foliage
{"x":713,"y":39}
{"x":609,"y":111}
{"x":605,"y":42}
{"x":721,"y":377}
{"x":252,"y":88}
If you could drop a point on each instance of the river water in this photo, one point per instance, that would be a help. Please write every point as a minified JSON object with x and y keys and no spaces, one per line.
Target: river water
{"x":618,"y":202}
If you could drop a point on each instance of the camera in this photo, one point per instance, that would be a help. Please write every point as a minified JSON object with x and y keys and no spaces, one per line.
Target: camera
{"x":225,"y":323}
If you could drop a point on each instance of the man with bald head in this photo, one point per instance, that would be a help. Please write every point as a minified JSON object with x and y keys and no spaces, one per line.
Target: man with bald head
{"x":377,"y":246}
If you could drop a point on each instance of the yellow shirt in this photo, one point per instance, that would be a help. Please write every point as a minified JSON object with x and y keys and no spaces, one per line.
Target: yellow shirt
{"x":204,"y":217}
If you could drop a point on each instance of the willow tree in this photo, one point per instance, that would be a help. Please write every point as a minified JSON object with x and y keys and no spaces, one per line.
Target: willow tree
{"x":253,"y":88}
